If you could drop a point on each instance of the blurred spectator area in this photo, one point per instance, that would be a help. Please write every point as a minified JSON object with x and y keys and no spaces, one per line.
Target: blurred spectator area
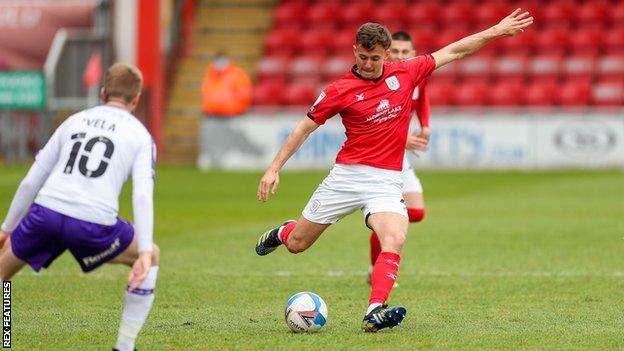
{"x":572,"y":56}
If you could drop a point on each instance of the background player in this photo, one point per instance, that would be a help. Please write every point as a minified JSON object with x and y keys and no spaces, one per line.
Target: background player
{"x":374,"y":101}
{"x":75,"y":183}
{"x":402,"y":48}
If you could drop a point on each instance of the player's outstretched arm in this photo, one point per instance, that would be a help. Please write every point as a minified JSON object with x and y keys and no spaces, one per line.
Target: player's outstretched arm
{"x":270,"y":179}
{"x":508,"y":26}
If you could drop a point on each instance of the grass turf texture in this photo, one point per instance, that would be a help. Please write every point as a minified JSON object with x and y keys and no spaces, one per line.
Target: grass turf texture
{"x":503,"y":261}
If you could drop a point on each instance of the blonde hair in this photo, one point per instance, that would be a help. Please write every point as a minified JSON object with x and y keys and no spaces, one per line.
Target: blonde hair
{"x":122,"y":81}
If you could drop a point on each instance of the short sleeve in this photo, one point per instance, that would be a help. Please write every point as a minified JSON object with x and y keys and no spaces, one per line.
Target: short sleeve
{"x":327,"y":105}
{"x":420,"y":67}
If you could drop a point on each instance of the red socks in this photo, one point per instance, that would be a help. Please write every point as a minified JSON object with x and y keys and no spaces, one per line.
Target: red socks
{"x":375,"y":248}
{"x":384,"y":274}
{"x":288,"y":228}
{"x":415,"y":214}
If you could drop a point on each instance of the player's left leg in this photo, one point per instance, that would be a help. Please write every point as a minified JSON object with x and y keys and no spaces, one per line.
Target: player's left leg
{"x":9,"y":263}
{"x":391,"y":228}
{"x":297,"y":236}
{"x":138,"y":302}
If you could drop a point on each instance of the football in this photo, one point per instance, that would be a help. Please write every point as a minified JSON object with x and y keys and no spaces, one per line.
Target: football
{"x":305,"y":312}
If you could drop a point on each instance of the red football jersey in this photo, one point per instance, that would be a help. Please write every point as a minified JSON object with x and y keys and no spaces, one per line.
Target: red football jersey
{"x":375,"y":113}
{"x":421,"y":104}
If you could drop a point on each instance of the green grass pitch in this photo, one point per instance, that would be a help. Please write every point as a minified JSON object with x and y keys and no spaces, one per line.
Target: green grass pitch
{"x":503,"y":261}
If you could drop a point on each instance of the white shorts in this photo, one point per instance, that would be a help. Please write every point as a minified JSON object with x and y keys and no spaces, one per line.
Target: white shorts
{"x":348,"y":188}
{"x":411,"y":183}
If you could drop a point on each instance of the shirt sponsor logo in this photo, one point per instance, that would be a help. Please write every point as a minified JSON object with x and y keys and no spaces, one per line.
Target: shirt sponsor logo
{"x":393,"y":83}
{"x":383,"y":104}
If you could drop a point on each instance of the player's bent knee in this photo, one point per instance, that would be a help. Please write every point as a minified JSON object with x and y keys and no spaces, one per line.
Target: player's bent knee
{"x":415,"y":214}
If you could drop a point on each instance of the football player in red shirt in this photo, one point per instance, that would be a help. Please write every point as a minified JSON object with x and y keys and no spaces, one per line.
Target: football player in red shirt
{"x":374,"y":101}
{"x":402,"y":48}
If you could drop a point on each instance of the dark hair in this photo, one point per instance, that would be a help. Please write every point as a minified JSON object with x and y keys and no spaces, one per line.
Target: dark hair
{"x":402,"y":36}
{"x":371,"y":34}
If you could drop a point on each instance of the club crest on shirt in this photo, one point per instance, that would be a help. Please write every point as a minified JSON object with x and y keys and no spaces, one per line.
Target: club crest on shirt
{"x":392,"y":83}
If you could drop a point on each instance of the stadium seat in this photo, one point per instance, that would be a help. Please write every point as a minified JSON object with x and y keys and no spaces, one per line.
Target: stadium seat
{"x":337,"y":66}
{"x":300,"y":94}
{"x":268,"y":94}
{"x":282,"y":42}
{"x":440,"y":93}
{"x":426,"y":12}
{"x":316,"y":42}
{"x":457,"y":12}
{"x":541,"y":94}
{"x":552,"y":41}
{"x":475,"y":67}
{"x":579,"y":66}
{"x":617,"y":15}
{"x":558,"y":13}
{"x":573,"y":93}
{"x":490,"y":13}
{"x":545,"y":68}
{"x":510,"y":67}
{"x":593,"y":12}
{"x":390,"y":12}
{"x":614,"y":44}
{"x":289,"y":14}
{"x":506,"y":93}
{"x":608,"y":93}
{"x":304,"y":66}
{"x":611,"y":68}
{"x":446,"y":73}
{"x":588,"y":41}
{"x":520,"y":45}
{"x":449,"y":36}
{"x":342,"y":43}
{"x":356,"y":15}
{"x":423,"y":39}
{"x":323,"y":12}
{"x":272,"y":65}
{"x":472,"y":94}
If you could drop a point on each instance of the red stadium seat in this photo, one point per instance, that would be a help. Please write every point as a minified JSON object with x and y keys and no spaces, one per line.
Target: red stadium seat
{"x":342,"y":43}
{"x":426,"y":12}
{"x":272,"y":65}
{"x":457,"y":12}
{"x":305,"y":66}
{"x":558,"y":13}
{"x":552,"y":41}
{"x":617,"y":15}
{"x":337,"y":66}
{"x":608,"y":93}
{"x":488,"y":14}
{"x":324,"y":12}
{"x":520,"y":45}
{"x":282,"y":42}
{"x":593,"y":12}
{"x":588,"y":41}
{"x":545,"y":68}
{"x":574,"y":93}
{"x":316,"y":42}
{"x":475,"y":66}
{"x":268,"y":93}
{"x":611,"y":68}
{"x":450,"y":36}
{"x":289,"y":14}
{"x":356,"y":15}
{"x":506,"y":93}
{"x":446,"y":73}
{"x":614,"y":44}
{"x":300,"y":94}
{"x":441,"y":93}
{"x":472,"y":94}
{"x":390,"y":12}
{"x":423,"y":40}
{"x":541,"y":94}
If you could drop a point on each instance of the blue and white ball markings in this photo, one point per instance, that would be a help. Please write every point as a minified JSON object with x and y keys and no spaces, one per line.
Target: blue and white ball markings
{"x":305,"y":312}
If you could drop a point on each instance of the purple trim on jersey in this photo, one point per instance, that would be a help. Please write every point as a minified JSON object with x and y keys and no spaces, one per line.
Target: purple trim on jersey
{"x":44,"y":234}
{"x":138,"y":291}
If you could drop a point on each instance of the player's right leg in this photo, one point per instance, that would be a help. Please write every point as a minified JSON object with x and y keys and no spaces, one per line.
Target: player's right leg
{"x":9,"y":263}
{"x":138,"y":302}
{"x":297,"y":236}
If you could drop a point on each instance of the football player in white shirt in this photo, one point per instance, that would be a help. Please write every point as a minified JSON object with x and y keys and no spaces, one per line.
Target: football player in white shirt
{"x":69,"y":199}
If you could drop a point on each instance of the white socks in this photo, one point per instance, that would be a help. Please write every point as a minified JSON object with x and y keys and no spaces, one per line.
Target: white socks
{"x":137,"y":307}
{"x":371,"y":307}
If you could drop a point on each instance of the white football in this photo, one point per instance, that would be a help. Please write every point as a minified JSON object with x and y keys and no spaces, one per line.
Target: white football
{"x":305,"y":312}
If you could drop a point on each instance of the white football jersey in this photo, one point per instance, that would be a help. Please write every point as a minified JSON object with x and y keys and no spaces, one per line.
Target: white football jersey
{"x":89,"y":158}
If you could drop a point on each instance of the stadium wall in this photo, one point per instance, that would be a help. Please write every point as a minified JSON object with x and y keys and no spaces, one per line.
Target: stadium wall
{"x":495,"y":140}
